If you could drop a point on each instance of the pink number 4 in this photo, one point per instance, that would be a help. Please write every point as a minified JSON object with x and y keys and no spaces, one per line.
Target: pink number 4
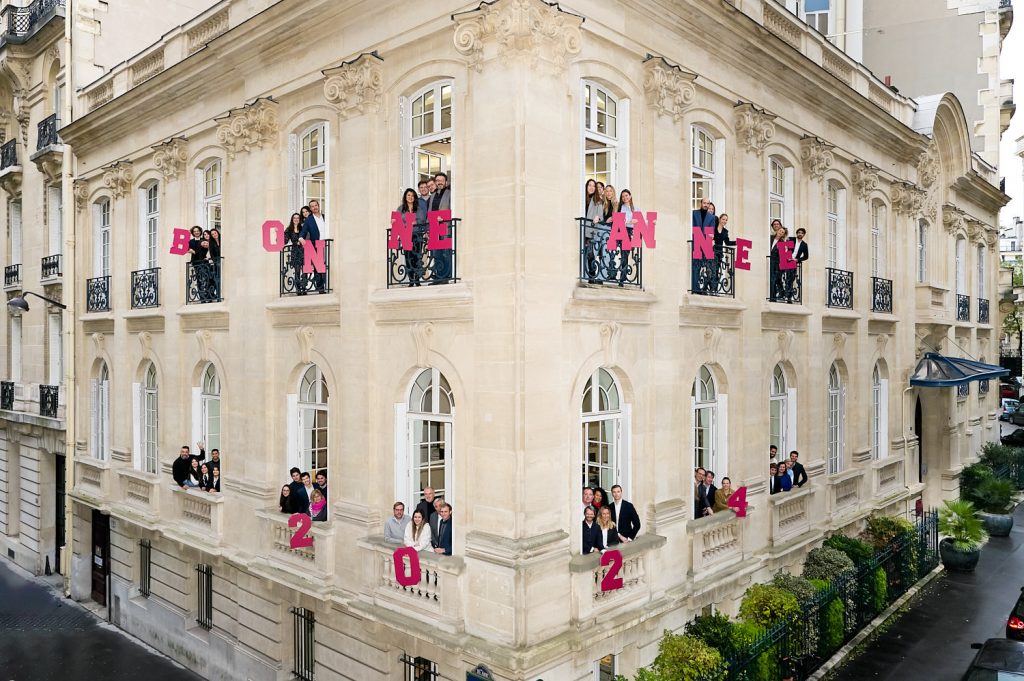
{"x":738,"y":502}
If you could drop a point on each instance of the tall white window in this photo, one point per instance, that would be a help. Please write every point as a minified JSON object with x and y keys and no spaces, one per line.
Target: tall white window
{"x":705,"y":403}
{"x":210,"y":400}
{"x":150,"y":421}
{"x":877,"y":239}
{"x":55,"y":214}
{"x":961,"y":266}
{"x":835,"y":217}
{"x":981,"y":271}
{"x":879,"y":414}
{"x":100,"y":416}
{"x":834,"y":425}
{"x":603,"y":426}
{"x":101,"y":244}
{"x":313,"y":420}
{"x":605,"y":133}
{"x":707,"y":167}
{"x":780,"y":192}
{"x":922,"y":251}
{"x":778,"y":401}
{"x":14,"y":216}
{"x":430,"y":416}
{"x":149,"y":225}
{"x":15,"y":348}
{"x":429,"y":129}
{"x":55,"y":348}
{"x":212,"y":194}
{"x":313,"y":166}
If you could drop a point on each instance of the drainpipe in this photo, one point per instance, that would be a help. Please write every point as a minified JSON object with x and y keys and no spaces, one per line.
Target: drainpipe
{"x":71,"y":300}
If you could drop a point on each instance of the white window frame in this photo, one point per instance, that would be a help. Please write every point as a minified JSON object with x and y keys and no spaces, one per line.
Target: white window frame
{"x":782,"y":399}
{"x":210,"y":195}
{"x":614,"y":667}
{"x":712,"y":404}
{"x":149,"y":226}
{"x":101,"y":243}
{"x":55,"y":213}
{"x":209,"y":399}
{"x":413,"y":146}
{"x":17,"y":240}
{"x":780,"y":191}
{"x":710,"y":175}
{"x":835,"y":421}
{"x":436,"y":406}
{"x":299,"y":411}
{"x":17,"y":338}
{"x":55,"y":348}
{"x":981,"y":272}
{"x":835,"y":218}
{"x":879,"y":414}
{"x":604,"y":387}
{"x":960,"y":262}
{"x":301,"y":173}
{"x":616,"y":146}
{"x":878,"y":216}
{"x":100,"y":415}
{"x":146,"y":412}
{"x":922,"y":251}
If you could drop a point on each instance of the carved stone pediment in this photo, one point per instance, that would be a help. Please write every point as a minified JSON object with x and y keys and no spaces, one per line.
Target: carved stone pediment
{"x":118,"y":177}
{"x":907,"y":198}
{"x":170,"y":157}
{"x":248,"y":127}
{"x":816,"y":155}
{"x":954,"y":219}
{"x":865,"y":179}
{"x":518,"y":29}
{"x":755,"y":127}
{"x":355,"y":87}
{"x":669,"y":89}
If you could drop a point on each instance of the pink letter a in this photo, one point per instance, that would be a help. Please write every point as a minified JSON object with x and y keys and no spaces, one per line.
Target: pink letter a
{"x":619,"y":235}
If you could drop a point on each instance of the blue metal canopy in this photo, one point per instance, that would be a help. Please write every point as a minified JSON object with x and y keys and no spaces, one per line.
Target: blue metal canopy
{"x":938,"y":371}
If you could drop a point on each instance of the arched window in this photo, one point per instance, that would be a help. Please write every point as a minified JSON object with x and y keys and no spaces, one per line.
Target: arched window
{"x":313,"y":421}
{"x":707,"y":167}
{"x":877,"y":239}
{"x":430,"y":416}
{"x":428,"y":125}
{"x":835,"y":416}
{"x":149,"y":421}
{"x":879,"y":414}
{"x":780,"y":192}
{"x":706,"y":404}
{"x":603,"y":426}
{"x":210,"y":178}
{"x":778,"y":412}
{"x":149,"y":225}
{"x":605,"y":136}
{"x":312,"y":170}
{"x":835,"y":216}
{"x":922,"y":251}
{"x":100,"y":407}
{"x":961,"y":266}
{"x":210,"y":404}
{"x":101,"y":239}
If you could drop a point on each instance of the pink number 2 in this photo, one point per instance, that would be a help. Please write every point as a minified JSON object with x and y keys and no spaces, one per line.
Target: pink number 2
{"x":299,"y":539}
{"x":611,"y":581}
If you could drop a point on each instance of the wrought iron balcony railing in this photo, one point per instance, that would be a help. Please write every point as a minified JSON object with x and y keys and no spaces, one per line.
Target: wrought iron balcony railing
{"x":51,"y":266}
{"x":203,"y":281}
{"x":47,"y":132}
{"x":715,"y":276}
{"x":598,"y":265}
{"x":422,"y":266}
{"x":48,"y":399}
{"x":963,"y":308}
{"x":146,"y":288}
{"x":21,"y":21}
{"x":7,"y":395}
{"x":840,"y":288}
{"x":97,"y":294}
{"x":982,"y":311}
{"x":785,"y":286}
{"x":12,"y":275}
{"x":983,"y":387}
{"x":881,"y":295}
{"x":9,"y":154}
{"x":295,"y":282}
{"x":963,"y":391}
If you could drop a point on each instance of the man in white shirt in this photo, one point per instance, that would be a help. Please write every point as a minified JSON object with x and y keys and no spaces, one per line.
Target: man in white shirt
{"x":312,"y":229}
{"x":394,"y":527}
{"x":307,"y":484}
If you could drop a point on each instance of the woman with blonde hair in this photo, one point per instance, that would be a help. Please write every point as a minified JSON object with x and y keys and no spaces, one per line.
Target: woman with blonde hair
{"x":317,"y":506}
{"x":609,"y":534}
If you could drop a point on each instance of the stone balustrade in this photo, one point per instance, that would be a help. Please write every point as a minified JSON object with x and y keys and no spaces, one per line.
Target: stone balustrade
{"x":888,"y":475}
{"x":92,"y":479}
{"x":716,"y":542}
{"x":845,"y":491}
{"x":315,"y":561}
{"x":589,"y":600}
{"x":790,"y":514}
{"x":198,"y":517}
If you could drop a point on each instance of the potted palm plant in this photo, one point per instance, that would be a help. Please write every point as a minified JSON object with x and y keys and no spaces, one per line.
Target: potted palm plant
{"x":991,"y":496}
{"x":961,"y":547}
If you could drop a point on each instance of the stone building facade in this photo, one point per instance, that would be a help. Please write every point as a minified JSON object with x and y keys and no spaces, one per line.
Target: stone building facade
{"x":537,"y":363}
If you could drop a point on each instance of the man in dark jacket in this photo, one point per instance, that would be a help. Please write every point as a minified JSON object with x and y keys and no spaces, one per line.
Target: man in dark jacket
{"x":426,"y":505}
{"x":182,"y":466}
{"x":624,"y":515}
{"x":591,"y":532}
{"x":796,"y":470}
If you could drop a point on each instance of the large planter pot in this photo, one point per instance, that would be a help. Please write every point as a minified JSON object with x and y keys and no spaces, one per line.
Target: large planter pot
{"x":956,"y":560}
{"x":997,"y":524}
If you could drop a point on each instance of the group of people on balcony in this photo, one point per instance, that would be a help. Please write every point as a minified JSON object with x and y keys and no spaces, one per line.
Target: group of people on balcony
{"x":787,"y":474}
{"x":707,"y":498}
{"x":600,"y":206}
{"x":607,"y":522}
{"x":194,"y":471}
{"x":785,"y":284}
{"x":204,"y":249}
{"x":428,"y":529}
{"x":305,"y":225}
{"x":422,"y":264}
{"x":302,"y":495}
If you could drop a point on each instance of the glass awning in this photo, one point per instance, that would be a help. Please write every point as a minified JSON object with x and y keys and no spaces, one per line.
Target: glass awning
{"x":938,"y":371}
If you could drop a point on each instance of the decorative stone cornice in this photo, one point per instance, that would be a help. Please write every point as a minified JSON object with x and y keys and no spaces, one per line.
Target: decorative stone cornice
{"x":865,"y":179}
{"x":816,"y":155}
{"x":975,"y":230}
{"x":118,"y":177}
{"x":907,"y":198}
{"x":356,"y":86}
{"x":531,"y":29}
{"x":10,"y":182}
{"x":669,"y":89}
{"x":928,"y":166}
{"x":954,"y":219}
{"x":252,"y":125}
{"x":754,"y":127}
{"x":170,"y":157}
{"x":80,"y":188}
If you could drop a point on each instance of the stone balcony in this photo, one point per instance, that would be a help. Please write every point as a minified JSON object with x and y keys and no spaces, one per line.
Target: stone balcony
{"x":197,"y":518}
{"x":312,"y":564}
{"x":716,"y":543}
{"x":140,"y":496}
{"x":589,"y":602}
{"x":93,"y":480}
{"x":791,"y":516}
{"x":887,"y":477}
{"x":845,"y":495}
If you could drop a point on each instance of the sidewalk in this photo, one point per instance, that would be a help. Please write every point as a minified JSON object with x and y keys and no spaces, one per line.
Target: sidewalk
{"x":932,"y":640}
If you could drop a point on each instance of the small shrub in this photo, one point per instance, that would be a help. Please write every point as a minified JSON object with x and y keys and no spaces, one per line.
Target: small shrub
{"x":684,"y":658}
{"x":827,"y":563}
{"x":766,"y":605}
{"x":832,"y":622}
{"x":714,"y":630}
{"x":883,"y":530}
{"x":859,"y":552}
{"x":765,"y":667}
{"x":880,"y":590}
{"x":993,"y":496}
{"x":798,"y":586}
{"x":971,"y":478}
{"x":998,"y":456}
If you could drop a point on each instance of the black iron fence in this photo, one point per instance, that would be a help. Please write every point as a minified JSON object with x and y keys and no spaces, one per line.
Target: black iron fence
{"x":422,"y":266}
{"x":963,"y":308}
{"x":839,"y":288}
{"x":304,"y":643}
{"x":598,"y":265}
{"x":9,"y":154}
{"x":203,"y":281}
{"x":982,"y":311}
{"x":12,"y":275}
{"x":48,"y":400}
{"x":881,"y":295}
{"x":7,"y":395}
{"x":146,"y":288}
{"x":204,"y":613}
{"x":785,"y":286}
{"x":145,"y":563}
{"x":46,"y":132}
{"x":795,"y":648}
{"x":713,"y":276}
{"x":50,"y":266}
{"x":295,"y":282}
{"x":97,"y":294}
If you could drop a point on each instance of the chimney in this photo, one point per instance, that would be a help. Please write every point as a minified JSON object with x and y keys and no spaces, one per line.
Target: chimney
{"x":888,"y":81}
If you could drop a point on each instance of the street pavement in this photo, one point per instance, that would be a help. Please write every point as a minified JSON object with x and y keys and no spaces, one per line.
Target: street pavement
{"x":44,"y":637}
{"x":932,"y":640}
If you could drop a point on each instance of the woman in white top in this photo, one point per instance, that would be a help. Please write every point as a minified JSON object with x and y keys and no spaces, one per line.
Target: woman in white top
{"x":626,"y":208}
{"x":417,"y":533}
{"x":609,"y":534}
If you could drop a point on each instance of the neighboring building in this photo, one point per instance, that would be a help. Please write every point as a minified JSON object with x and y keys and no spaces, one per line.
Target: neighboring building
{"x":539,"y":362}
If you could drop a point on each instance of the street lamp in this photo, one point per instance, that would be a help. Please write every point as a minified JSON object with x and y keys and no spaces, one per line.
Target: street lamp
{"x":22,"y":304}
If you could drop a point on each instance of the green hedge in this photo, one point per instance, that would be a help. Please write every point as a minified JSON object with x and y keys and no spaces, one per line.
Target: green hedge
{"x":766,"y":605}
{"x":684,"y":658}
{"x":766,"y":666}
{"x":714,"y":630}
{"x":856,"y":550}
{"x":832,"y":616}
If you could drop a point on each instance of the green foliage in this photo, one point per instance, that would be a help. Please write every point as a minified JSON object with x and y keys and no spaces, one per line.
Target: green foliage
{"x":880,"y":590}
{"x":993,"y":496}
{"x":827,"y":563}
{"x":684,"y":658}
{"x":766,"y":605}
{"x":972,"y":477}
{"x":959,"y":521}
{"x":996,"y":456}
{"x":883,"y":530}
{"x":857,"y":551}
{"x":765,"y":667}
{"x":796,"y":585}
{"x":714,"y":630}
{"x":831,"y":622}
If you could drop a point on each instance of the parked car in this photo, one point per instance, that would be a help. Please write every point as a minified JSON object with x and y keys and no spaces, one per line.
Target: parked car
{"x":1009,"y":407}
{"x":1014,"y":439}
{"x":998,"y":659}
{"x":1015,"y":622}
{"x":1017,"y":418}
{"x":1009,"y":390}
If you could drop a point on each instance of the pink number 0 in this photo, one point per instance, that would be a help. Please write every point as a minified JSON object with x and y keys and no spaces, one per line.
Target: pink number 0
{"x":299,"y":539}
{"x":411,"y":578}
{"x":611,"y":581}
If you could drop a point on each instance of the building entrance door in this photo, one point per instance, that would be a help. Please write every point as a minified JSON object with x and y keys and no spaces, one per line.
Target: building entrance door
{"x":58,"y":510}
{"x":100,"y":556}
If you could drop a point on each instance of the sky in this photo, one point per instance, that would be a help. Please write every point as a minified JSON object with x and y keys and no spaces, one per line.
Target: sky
{"x":1012,"y":66}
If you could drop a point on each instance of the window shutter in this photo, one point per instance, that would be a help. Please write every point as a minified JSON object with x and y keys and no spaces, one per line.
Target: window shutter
{"x":105,"y":419}
{"x":141,"y":231}
{"x":94,"y":434}
{"x":138,"y":456}
{"x":198,"y":427}
{"x":883,"y":420}
{"x":622,"y":148}
{"x":201,"y":217}
{"x":293,"y":430}
{"x":403,"y":475}
{"x":722,"y":436}
{"x":97,"y":242}
{"x":791,"y":429}
{"x":406,"y":177}
{"x":16,"y":233}
{"x":294,"y":191}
